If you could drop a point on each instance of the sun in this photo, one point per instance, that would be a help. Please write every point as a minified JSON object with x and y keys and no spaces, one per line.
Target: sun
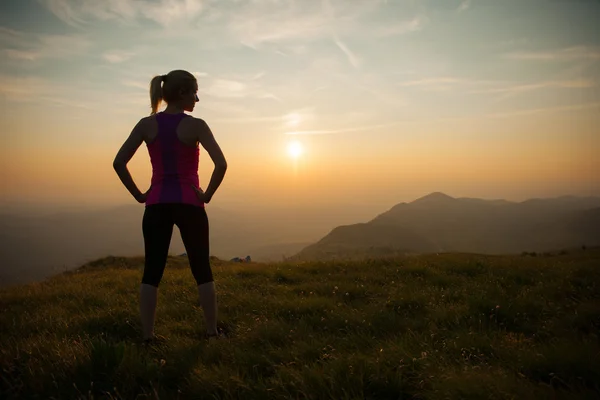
{"x":295,"y":149}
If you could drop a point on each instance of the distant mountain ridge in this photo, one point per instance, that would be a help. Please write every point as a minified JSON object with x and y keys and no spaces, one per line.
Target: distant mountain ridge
{"x":438,"y":222}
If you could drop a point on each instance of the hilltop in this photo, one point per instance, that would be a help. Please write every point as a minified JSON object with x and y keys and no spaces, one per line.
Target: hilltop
{"x":421,"y":327}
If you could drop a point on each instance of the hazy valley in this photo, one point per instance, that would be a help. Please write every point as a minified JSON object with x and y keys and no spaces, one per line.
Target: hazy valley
{"x":35,"y":246}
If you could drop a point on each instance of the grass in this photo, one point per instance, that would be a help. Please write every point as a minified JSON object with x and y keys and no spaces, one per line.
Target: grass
{"x":422,"y":327}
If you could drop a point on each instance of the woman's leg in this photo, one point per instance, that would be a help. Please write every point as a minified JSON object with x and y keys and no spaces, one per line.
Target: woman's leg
{"x":208,"y":301}
{"x":148,"y":300}
{"x":193,"y":225}
{"x":157,"y":227}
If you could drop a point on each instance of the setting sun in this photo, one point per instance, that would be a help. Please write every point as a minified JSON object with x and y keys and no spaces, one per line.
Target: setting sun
{"x":295,"y":149}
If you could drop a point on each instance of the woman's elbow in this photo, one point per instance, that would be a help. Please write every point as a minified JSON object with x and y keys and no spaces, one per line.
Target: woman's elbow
{"x":118,"y":165}
{"x":222,"y":165}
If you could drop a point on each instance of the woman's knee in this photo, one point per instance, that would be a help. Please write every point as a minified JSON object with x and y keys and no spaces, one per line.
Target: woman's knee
{"x":202,"y":275}
{"x":152,"y":277}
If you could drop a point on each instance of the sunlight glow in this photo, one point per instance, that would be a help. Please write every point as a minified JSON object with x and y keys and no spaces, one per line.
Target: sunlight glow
{"x":295,"y":149}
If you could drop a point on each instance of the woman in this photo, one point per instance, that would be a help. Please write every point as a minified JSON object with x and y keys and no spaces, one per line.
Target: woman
{"x":174,"y":197}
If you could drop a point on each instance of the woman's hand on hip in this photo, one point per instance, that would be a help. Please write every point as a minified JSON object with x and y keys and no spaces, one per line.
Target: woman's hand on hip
{"x":143,"y":196}
{"x":202,"y":196}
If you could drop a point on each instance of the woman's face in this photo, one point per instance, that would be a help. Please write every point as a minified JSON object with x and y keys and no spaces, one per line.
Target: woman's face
{"x":190,"y":98}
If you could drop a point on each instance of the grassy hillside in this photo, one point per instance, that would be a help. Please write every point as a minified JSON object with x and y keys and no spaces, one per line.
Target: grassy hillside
{"x":425,"y":327}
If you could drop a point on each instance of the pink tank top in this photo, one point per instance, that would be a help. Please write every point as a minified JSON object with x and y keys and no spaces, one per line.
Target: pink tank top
{"x":174,"y":164}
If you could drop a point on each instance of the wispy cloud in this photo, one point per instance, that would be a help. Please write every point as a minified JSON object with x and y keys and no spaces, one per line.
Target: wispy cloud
{"x":12,"y":37}
{"x":254,"y":26}
{"x":442,"y":83}
{"x":36,"y":89}
{"x":297,"y":118}
{"x":426,"y":82}
{"x":565,"y":54}
{"x":22,"y":88}
{"x":257,"y":23}
{"x":136,"y":84}
{"x":117,"y":56}
{"x":245,"y":120}
{"x":572,"y":107}
{"x":512,"y":90}
{"x":163,"y":12}
{"x":21,"y":54}
{"x":353,"y":59}
{"x":439,"y":83}
{"x":464,"y":6}
{"x":227,"y":88}
{"x":402,"y":27}
{"x":22,"y":46}
{"x":344,"y":130}
{"x":237,"y":89}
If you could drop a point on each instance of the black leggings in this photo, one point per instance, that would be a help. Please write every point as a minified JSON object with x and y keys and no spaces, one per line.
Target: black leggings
{"x":157,"y":227}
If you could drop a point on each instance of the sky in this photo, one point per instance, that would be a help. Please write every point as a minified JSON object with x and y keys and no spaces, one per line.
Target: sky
{"x":386,"y":101}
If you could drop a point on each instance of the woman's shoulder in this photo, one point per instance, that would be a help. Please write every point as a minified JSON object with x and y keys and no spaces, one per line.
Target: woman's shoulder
{"x":191,"y":122}
{"x":147,"y":120}
{"x":146,"y":127}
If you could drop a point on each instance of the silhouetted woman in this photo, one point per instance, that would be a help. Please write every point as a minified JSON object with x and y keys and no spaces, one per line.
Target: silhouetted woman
{"x":175,"y":196}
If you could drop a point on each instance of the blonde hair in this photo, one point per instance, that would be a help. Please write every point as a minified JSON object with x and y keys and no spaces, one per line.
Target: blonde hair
{"x":167,"y":87}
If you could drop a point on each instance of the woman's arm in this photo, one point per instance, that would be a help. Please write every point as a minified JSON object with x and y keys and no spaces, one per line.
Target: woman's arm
{"x":207,"y":140}
{"x":125,"y":154}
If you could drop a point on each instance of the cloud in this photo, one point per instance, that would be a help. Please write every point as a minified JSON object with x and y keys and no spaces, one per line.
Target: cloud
{"x":36,"y":89}
{"x":353,"y":59}
{"x":344,"y":130}
{"x":243,"y":120}
{"x":21,"y":55}
{"x":22,"y":46}
{"x":12,"y":37}
{"x":516,"y":89}
{"x":296,"y":118}
{"x":442,"y":83}
{"x":63,"y":10}
{"x":235,"y":89}
{"x":582,"y":106}
{"x":227,"y":88}
{"x":256,"y":23}
{"x":168,"y":12}
{"x":432,"y":81}
{"x":490,"y":86}
{"x":117,"y":56}
{"x":270,"y":96}
{"x":565,"y":54}
{"x":24,"y":88}
{"x":481,"y":86}
{"x":464,"y":6}
{"x":403,"y":27}
{"x":163,"y":12}
{"x":136,"y":84}
{"x":253,"y":27}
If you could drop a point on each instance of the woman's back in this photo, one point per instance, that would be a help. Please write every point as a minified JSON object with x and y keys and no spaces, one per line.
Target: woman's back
{"x":174,"y":163}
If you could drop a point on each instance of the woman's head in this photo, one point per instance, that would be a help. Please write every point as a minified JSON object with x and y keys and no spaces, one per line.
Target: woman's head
{"x":177,"y":88}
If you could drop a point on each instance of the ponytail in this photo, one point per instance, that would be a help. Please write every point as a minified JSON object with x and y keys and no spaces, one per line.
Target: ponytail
{"x":156,"y":92}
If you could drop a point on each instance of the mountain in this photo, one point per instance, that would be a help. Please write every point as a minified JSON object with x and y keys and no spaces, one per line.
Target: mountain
{"x":440,"y":223}
{"x":355,"y":240}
